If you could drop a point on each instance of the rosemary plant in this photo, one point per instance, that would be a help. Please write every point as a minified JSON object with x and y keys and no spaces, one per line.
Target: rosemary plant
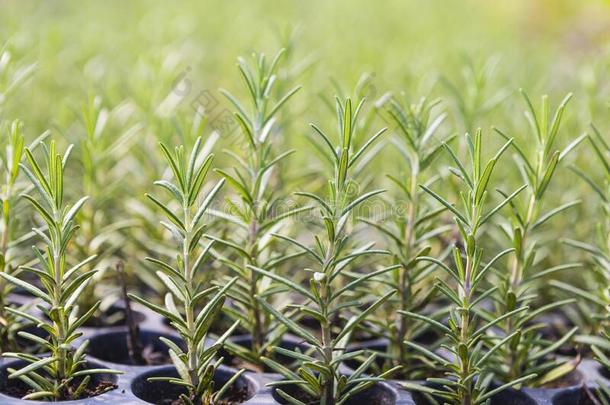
{"x":473,"y":95}
{"x":14,"y":153}
{"x":599,"y":295}
{"x":260,"y":210}
{"x":410,"y":234}
{"x":10,"y":252}
{"x":195,"y":363}
{"x":328,"y":297}
{"x":63,"y":375}
{"x":101,"y":148}
{"x":468,"y":373}
{"x":528,"y":352}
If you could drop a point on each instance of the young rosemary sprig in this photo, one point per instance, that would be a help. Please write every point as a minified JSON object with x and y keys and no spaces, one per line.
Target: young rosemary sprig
{"x":319,"y":378}
{"x":468,"y":376}
{"x":599,"y":252}
{"x":54,"y":377}
{"x":473,"y":95}
{"x":409,"y":234}
{"x":10,"y":252}
{"x":190,"y":308}
{"x":101,"y":148}
{"x":10,"y":165}
{"x":259,"y":211}
{"x":528,"y":352}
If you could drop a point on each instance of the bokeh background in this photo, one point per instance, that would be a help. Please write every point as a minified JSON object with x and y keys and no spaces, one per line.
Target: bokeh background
{"x":151,"y":64}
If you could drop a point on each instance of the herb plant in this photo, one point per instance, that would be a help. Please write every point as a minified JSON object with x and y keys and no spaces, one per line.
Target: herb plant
{"x":329,"y":296}
{"x":599,"y":252}
{"x":190,"y":307}
{"x":64,"y":374}
{"x":260,"y":210}
{"x":528,"y":352}
{"x":410,"y":234}
{"x":468,"y":368}
{"x":101,"y":148}
{"x":10,"y":252}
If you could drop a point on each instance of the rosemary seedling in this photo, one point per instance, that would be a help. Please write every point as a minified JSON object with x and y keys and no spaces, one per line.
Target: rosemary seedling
{"x":259,"y":211}
{"x":326,"y":299}
{"x":10,"y":252}
{"x":599,"y":252}
{"x":411,"y":231}
{"x":10,"y":166}
{"x":189,"y":306}
{"x":528,"y":352}
{"x":63,"y":375}
{"x":467,"y":379}
{"x":102,"y":147}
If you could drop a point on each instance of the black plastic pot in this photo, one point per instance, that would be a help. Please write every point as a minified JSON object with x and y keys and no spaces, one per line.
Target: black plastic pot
{"x":112,"y":347}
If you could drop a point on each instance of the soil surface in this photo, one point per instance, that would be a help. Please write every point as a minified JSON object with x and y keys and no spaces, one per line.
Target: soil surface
{"x":232,"y":397}
{"x":372,"y":396}
{"x":21,"y":390}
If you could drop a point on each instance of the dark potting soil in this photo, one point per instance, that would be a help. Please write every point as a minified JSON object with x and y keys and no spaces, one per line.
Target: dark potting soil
{"x":19,"y":391}
{"x":99,"y":384}
{"x":376,"y":395}
{"x":166,"y":393}
{"x":506,"y":397}
{"x":232,"y":397}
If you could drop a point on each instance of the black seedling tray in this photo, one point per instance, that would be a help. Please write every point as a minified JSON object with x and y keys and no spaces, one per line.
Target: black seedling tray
{"x":133,"y":380}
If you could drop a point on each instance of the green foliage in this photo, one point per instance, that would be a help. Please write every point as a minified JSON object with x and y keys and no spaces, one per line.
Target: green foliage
{"x":597,"y":298}
{"x":103,"y":146}
{"x":528,"y":352}
{"x":10,"y":245}
{"x":261,"y":208}
{"x":411,"y":232}
{"x":54,"y":377}
{"x":327,"y":297}
{"x":190,"y":307}
{"x":468,"y":368}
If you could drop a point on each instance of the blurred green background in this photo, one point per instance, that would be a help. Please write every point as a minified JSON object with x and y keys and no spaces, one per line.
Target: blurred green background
{"x":474,"y":55}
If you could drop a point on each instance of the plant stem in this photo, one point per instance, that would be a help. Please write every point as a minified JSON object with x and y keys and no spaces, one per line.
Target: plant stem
{"x":193,"y":363}
{"x":465,"y":335}
{"x":4,"y":250}
{"x":328,"y":384}
{"x":405,"y":279}
{"x":134,"y":347}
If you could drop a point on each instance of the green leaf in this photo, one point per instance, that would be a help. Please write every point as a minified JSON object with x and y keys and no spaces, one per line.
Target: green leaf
{"x":170,"y":215}
{"x":355,"y":321}
{"x":445,"y":203}
{"x":296,"y":328}
{"x":289,"y":283}
{"x":27,"y":286}
{"x":33,"y":367}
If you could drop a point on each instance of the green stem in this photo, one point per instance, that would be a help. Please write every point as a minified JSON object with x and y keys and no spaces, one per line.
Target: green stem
{"x":193,"y":361}
{"x":405,"y":281}
{"x":328,"y":384}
